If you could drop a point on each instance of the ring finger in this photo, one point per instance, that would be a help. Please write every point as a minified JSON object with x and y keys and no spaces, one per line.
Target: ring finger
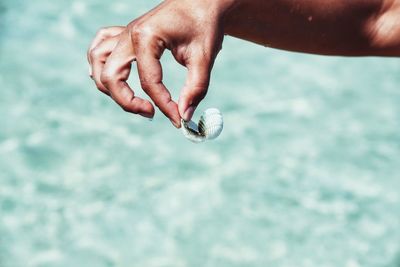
{"x":98,"y":57}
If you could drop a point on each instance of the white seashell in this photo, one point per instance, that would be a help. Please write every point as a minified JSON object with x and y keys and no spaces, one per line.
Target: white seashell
{"x":209,"y":127}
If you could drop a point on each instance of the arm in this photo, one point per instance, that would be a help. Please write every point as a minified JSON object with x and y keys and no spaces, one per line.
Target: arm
{"x":194,"y":30}
{"x":330,"y":27}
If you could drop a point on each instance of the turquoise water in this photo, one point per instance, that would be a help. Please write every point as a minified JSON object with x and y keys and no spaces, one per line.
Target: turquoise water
{"x":305,"y":173}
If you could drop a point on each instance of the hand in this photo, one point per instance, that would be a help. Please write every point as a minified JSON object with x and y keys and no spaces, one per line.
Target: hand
{"x":193,"y":32}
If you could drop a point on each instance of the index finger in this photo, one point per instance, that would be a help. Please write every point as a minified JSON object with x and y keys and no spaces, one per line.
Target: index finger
{"x":150,"y":74}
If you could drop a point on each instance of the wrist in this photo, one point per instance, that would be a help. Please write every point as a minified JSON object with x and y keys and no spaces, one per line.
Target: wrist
{"x":230,"y":11}
{"x":223,"y":9}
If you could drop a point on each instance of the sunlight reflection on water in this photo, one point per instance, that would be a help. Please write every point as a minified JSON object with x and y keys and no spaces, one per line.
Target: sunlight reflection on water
{"x":305,"y":172}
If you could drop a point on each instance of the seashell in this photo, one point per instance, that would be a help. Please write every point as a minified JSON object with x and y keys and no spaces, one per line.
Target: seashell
{"x":209,"y":127}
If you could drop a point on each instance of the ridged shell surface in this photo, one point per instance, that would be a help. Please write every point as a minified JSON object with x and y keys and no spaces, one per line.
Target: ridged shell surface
{"x":209,"y":127}
{"x":211,"y":123}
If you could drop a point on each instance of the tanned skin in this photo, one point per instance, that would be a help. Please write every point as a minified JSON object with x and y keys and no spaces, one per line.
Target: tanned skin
{"x":193,"y":31}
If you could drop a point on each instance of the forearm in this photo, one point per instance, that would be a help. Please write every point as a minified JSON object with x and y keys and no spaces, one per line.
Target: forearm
{"x":331,"y":27}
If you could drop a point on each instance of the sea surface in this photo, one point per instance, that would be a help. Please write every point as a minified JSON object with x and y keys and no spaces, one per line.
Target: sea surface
{"x":305,"y":174}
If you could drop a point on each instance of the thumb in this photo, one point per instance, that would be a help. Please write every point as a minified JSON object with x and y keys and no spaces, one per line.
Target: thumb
{"x":195,"y":89}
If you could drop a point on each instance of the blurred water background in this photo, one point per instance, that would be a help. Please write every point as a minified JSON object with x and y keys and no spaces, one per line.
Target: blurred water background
{"x":305,"y":173}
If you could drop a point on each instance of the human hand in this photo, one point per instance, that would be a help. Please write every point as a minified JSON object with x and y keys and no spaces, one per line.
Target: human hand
{"x":192,"y":30}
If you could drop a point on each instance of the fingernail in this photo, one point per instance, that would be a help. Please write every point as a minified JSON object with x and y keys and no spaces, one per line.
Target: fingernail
{"x":189,"y":113}
{"x":177,"y":125}
{"x":146,"y":115}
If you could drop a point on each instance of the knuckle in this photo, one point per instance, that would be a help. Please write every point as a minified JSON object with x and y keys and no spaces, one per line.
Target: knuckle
{"x":125,"y":106}
{"x":106,"y":78}
{"x":159,"y":100}
{"x":201,"y":87}
{"x":140,"y":32}
{"x":109,"y":75}
{"x":102,"y":32}
{"x":145,"y":84}
{"x":95,"y":53}
{"x":136,"y":31}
